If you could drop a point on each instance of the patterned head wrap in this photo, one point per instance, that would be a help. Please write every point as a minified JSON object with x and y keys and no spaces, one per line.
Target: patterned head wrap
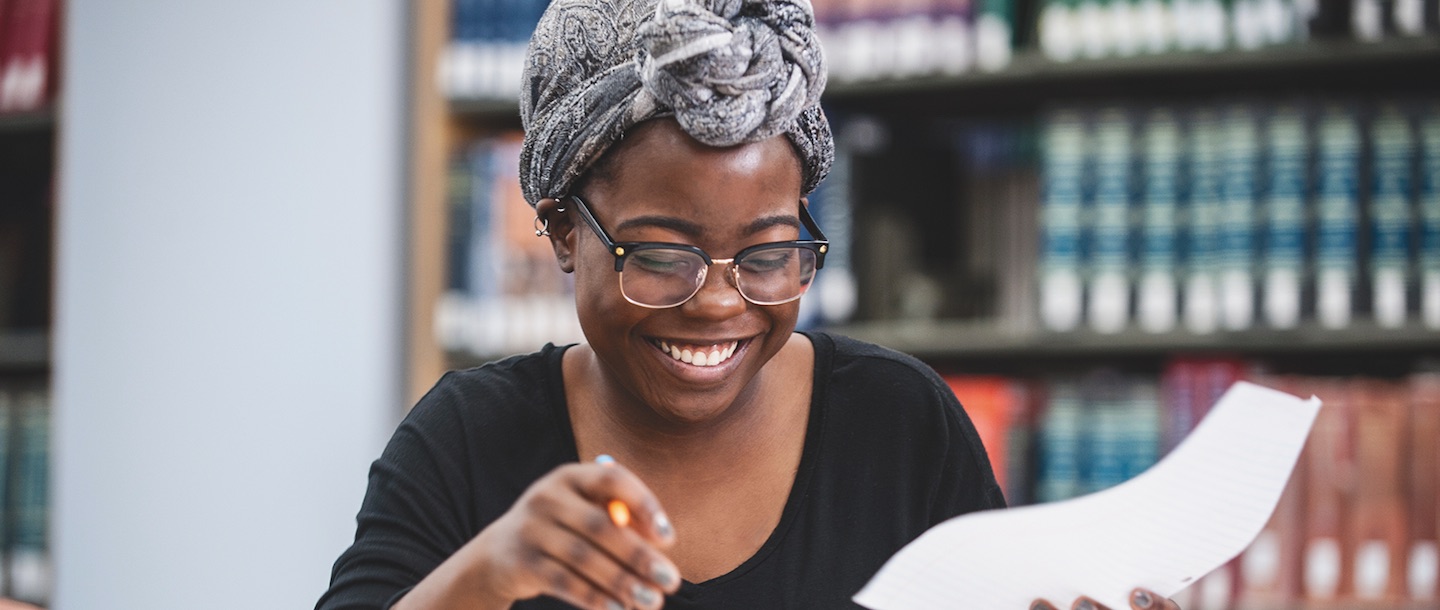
{"x":729,"y":71}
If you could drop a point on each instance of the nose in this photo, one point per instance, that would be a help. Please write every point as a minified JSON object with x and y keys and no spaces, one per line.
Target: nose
{"x":719,"y":297}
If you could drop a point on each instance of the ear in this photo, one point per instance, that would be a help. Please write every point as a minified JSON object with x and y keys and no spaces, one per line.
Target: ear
{"x":562,"y":231}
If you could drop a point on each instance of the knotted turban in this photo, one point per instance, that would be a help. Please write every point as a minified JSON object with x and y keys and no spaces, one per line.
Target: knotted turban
{"x":728,"y":71}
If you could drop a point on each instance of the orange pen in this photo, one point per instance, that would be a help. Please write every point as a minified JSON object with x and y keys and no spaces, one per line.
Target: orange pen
{"x":619,"y":513}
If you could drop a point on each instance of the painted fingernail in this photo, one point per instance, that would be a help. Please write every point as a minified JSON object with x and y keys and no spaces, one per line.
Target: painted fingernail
{"x":1039,"y":605}
{"x":662,"y":526}
{"x":664,"y":575}
{"x":1141,"y":598}
{"x":611,"y":604}
{"x":1086,"y":604}
{"x":645,"y":596}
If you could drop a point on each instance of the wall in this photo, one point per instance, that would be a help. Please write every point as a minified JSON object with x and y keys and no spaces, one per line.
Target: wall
{"x":227,"y":351}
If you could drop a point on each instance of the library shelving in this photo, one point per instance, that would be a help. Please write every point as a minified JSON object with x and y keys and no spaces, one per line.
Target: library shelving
{"x":939,"y":202}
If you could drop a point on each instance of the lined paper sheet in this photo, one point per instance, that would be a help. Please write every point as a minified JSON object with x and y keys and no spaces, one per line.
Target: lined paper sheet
{"x":1187,"y":515}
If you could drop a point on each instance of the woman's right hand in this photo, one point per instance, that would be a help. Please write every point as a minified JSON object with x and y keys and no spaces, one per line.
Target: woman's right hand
{"x":559,"y":540}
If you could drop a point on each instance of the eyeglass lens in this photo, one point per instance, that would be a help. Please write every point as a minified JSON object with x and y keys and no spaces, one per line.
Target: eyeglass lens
{"x":663,"y":277}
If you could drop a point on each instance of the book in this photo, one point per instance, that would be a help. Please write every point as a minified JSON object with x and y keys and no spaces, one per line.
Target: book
{"x":1392,"y":154}
{"x":1283,"y":251}
{"x":994,"y":34}
{"x":1201,"y":294}
{"x":28,"y":569}
{"x":1237,"y":253}
{"x":1325,"y":568}
{"x":1061,"y":448}
{"x":1063,"y":144}
{"x":1429,"y":216}
{"x":990,"y":402}
{"x":1423,"y":560}
{"x":1157,"y":297}
{"x":1270,"y":566}
{"x":1337,"y":208}
{"x":27,"y":72}
{"x":1110,"y":229}
{"x":1379,"y":517}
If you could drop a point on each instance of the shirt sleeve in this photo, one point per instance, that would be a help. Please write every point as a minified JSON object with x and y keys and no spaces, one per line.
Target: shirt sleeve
{"x":966,"y":481}
{"x":411,"y":519}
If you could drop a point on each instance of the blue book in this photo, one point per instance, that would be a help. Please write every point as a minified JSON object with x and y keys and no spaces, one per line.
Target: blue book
{"x":1110,"y":227}
{"x":29,"y":564}
{"x":1200,"y":298}
{"x":1063,"y":153}
{"x":1392,"y":154}
{"x":1157,"y":303}
{"x":1061,"y":451}
{"x":1141,"y":427}
{"x":1236,"y":257}
{"x":1104,"y":432}
{"x":1429,"y":251}
{"x":1337,"y":209}
{"x":1283,"y":235}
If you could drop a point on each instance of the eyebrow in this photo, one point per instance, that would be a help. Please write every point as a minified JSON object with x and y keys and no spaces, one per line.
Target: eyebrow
{"x":686,"y":227}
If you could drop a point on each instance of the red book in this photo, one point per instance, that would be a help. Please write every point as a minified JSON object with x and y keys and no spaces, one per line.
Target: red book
{"x":1270,"y":567}
{"x":1423,"y":563}
{"x":1326,"y":573}
{"x":991,"y":403}
{"x":27,"y":51}
{"x":1379,"y":519}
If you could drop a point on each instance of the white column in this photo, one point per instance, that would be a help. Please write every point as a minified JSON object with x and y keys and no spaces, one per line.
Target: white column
{"x":227,"y":342}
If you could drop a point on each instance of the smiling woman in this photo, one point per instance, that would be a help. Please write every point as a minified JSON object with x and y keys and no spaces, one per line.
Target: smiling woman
{"x":669,"y":150}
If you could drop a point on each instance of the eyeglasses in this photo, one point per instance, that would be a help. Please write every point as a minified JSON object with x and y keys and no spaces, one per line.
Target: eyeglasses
{"x":659,"y":275}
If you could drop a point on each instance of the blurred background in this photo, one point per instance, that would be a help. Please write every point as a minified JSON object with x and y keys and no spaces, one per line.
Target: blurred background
{"x":238,"y":240}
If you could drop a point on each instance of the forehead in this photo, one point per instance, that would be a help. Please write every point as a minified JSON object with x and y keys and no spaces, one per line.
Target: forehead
{"x":659,"y":169}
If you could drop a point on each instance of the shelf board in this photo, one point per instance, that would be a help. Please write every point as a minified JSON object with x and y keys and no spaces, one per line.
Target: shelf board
{"x":27,"y":121}
{"x":1032,"y":79}
{"x":942,"y":339}
{"x":24,"y":350}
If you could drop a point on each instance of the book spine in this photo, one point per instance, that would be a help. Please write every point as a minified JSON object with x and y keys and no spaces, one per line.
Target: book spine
{"x":1201,"y":293}
{"x":995,"y":34}
{"x":29,"y":566}
{"x":1062,"y":209}
{"x":1379,"y":512}
{"x":1429,"y":217}
{"x":1284,"y":241}
{"x":1392,"y":149}
{"x":1236,"y":258}
{"x":1058,"y":30}
{"x":1326,"y":572}
{"x":1141,"y":427}
{"x":1109,"y":289}
{"x":1104,"y":441}
{"x":1061,"y":455}
{"x":1157,"y":298}
{"x":1337,"y":215}
{"x":1423,"y":562}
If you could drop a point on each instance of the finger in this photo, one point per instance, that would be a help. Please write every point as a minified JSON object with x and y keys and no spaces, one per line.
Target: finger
{"x":1041,"y":604}
{"x":622,"y":545}
{"x":565,"y":584}
{"x":604,"y":483}
{"x":1086,"y":603}
{"x":582,"y":557}
{"x":1145,"y":599}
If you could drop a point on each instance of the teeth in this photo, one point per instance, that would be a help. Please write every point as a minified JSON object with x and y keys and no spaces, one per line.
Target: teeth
{"x":700,"y":357}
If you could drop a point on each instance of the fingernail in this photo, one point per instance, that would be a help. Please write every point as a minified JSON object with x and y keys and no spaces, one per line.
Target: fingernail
{"x":662,"y":526}
{"x":1038,"y":605}
{"x":1086,"y":604}
{"x":663,"y":575}
{"x":645,"y":596}
{"x":1141,"y":598}
{"x":611,"y":604}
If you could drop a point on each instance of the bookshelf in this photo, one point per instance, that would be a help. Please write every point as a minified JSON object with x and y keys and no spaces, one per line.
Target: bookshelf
{"x":908,"y":182}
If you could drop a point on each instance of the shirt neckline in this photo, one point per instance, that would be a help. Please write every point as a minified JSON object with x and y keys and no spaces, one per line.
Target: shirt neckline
{"x":799,"y":489}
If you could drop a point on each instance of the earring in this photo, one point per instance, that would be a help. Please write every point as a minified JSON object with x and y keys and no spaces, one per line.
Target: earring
{"x":542,"y":227}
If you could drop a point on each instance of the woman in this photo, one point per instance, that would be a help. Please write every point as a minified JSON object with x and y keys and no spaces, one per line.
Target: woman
{"x":668,"y":151}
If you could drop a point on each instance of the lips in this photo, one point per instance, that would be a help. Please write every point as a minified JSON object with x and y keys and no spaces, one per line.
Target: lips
{"x":701,"y":355}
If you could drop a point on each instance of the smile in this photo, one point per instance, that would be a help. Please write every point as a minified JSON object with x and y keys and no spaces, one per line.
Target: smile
{"x":699,"y":355}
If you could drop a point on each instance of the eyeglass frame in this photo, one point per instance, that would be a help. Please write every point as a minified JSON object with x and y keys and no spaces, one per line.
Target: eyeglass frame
{"x":620,"y":250}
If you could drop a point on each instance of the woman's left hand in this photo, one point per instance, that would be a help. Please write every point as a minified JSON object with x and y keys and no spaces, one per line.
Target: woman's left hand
{"x":1140,"y":599}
